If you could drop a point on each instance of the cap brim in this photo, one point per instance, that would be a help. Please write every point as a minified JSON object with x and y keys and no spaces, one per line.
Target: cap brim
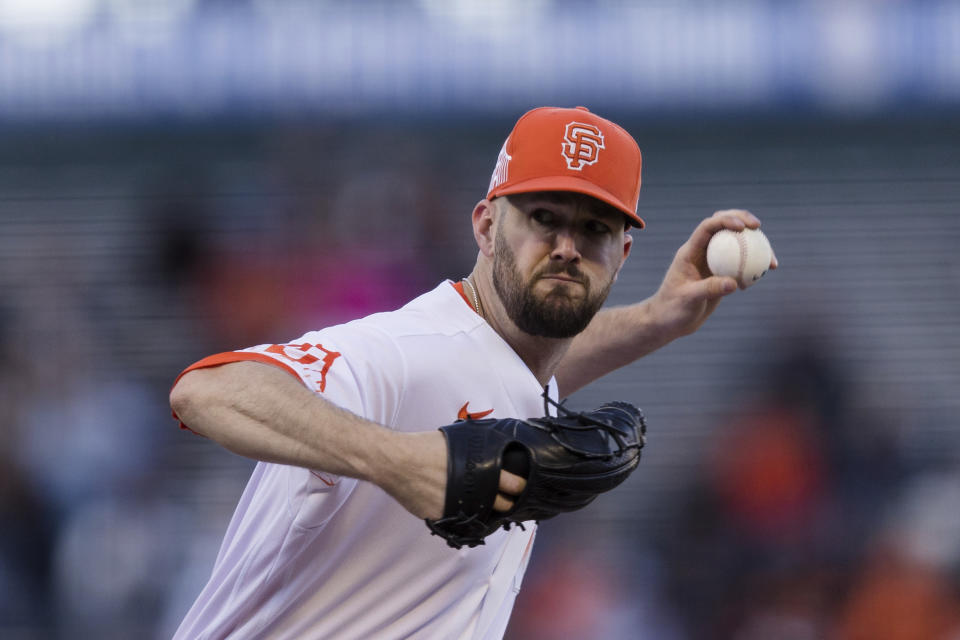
{"x":576,"y":185}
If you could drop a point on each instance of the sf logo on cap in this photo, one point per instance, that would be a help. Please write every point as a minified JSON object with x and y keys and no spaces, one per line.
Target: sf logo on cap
{"x":582,"y":144}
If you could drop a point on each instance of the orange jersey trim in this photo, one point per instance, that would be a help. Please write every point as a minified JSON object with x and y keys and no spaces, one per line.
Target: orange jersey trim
{"x":459,"y":287}
{"x":227,"y":357}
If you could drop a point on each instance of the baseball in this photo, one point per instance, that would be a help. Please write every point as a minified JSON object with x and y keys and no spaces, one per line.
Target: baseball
{"x":744,"y":255}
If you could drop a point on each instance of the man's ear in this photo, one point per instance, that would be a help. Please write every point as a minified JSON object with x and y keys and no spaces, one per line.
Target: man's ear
{"x":627,"y":245}
{"x":484,"y":219}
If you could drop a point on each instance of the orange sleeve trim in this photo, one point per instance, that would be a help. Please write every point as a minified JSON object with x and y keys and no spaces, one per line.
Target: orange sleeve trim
{"x":227,"y":357}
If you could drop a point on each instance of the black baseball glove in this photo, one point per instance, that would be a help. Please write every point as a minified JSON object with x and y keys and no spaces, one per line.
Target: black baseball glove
{"x":567,"y":460}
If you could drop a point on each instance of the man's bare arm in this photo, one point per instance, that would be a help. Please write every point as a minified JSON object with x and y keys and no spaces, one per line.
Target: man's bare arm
{"x":264,"y":413}
{"x":686,"y":298}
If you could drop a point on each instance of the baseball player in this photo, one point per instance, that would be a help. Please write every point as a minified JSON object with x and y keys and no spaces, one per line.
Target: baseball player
{"x":328,"y":539}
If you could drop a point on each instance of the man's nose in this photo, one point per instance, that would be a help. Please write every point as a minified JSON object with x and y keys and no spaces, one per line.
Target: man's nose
{"x":565,"y":247}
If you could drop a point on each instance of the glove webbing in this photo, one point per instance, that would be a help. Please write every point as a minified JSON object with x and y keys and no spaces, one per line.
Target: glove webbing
{"x":590,"y":424}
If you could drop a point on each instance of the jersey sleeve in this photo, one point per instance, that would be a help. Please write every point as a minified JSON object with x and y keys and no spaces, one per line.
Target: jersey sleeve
{"x":355,"y":366}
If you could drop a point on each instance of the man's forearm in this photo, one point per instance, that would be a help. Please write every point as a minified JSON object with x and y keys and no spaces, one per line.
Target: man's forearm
{"x":687,"y":296}
{"x":615,"y":338}
{"x":261,"y":412}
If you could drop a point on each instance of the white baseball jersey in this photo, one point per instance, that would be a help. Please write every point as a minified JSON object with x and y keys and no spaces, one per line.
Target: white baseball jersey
{"x":308,"y":555}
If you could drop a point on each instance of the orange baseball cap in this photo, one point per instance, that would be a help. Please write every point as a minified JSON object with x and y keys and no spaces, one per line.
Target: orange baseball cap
{"x":557,"y":149}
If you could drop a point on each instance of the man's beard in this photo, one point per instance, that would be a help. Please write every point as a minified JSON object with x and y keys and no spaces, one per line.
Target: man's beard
{"x":557,"y":314}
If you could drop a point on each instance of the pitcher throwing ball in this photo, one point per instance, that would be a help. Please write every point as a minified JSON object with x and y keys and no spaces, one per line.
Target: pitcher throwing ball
{"x":445,"y":411}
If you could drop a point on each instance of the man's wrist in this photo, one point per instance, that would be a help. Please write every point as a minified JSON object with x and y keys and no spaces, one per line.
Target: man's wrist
{"x":658,"y":327}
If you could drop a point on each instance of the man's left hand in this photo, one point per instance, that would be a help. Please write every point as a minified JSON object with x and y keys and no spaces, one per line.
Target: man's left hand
{"x":689,"y":293}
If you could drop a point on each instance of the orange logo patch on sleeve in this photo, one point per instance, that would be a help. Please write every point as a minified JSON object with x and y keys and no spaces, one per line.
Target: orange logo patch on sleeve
{"x":308,"y":354}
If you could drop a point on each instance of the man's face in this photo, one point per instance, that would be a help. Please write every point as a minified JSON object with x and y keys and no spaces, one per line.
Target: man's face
{"x":556,"y":255}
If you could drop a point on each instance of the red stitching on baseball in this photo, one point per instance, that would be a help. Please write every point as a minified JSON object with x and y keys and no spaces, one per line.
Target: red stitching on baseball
{"x":742,"y":241}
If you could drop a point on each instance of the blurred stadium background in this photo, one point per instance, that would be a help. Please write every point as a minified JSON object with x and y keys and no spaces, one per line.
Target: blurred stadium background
{"x":179,"y":177}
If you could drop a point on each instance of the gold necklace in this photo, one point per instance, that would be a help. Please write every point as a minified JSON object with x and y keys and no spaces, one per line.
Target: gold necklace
{"x":476,"y":298}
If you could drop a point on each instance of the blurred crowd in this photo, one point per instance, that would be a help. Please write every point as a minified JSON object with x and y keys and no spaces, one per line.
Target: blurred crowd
{"x":110,"y":515}
{"x":805,"y":522}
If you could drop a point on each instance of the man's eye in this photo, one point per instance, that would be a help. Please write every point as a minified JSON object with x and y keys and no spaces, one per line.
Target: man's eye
{"x":597,"y":227}
{"x":543,"y":216}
